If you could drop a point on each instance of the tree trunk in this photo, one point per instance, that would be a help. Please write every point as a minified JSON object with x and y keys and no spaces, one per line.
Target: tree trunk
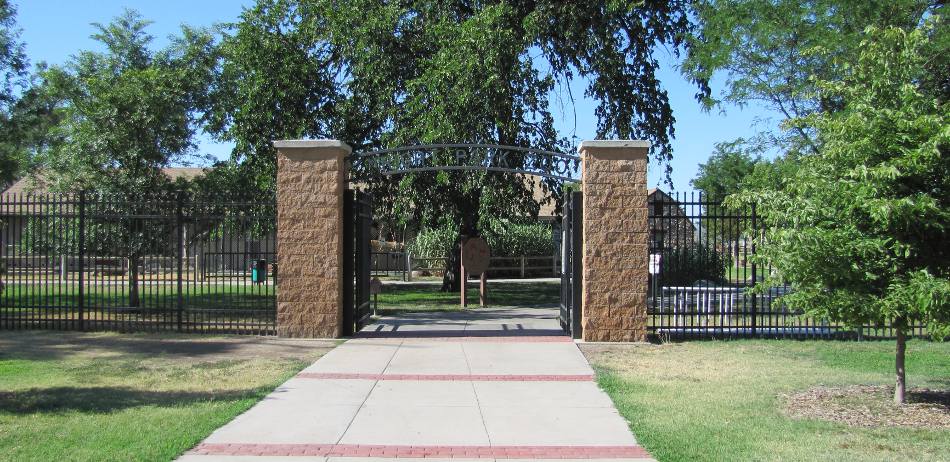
{"x":134,"y":281}
{"x":451,"y":279}
{"x":900,"y":389}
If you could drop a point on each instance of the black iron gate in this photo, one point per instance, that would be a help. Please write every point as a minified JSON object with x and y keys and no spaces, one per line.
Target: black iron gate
{"x":357,"y":221}
{"x":572,"y":264}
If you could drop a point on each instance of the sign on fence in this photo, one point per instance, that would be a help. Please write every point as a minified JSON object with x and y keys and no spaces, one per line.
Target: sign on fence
{"x":655,"y":263}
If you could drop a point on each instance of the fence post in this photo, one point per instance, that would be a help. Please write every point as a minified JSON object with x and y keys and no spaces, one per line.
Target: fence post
{"x":180,"y":219}
{"x":82,"y":259}
{"x":200,"y":264}
{"x":522,"y":267}
{"x":755,"y":297}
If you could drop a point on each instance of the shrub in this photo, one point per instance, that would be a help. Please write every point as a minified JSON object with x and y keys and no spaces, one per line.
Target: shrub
{"x":508,"y":239}
{"x":684,"y":265}
{"x":433,"y":242}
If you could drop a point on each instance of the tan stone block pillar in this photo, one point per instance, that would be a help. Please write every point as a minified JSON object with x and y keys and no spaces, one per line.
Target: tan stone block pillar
{"x":311,"y":177}
{"x":616,"y":252}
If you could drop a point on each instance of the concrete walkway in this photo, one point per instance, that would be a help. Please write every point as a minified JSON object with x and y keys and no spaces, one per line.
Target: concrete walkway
{"x":486,"y":384}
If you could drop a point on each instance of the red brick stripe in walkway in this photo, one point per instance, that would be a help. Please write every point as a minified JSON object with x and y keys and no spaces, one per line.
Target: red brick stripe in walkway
{"x":500,"y":336}
{"x":449,"y":377}
{"x":477,"y":452}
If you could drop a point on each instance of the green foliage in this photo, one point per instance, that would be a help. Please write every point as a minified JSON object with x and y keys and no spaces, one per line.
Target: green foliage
{"x":504,"y":238}
{"x":276,"y":81}
{"x":13,"y":77}
{"x":396,"y":73}
{"x":762,"y":49}
{"x":860,"y":229}
{"x":725,"y":170}
{"x":126,"y":112}
{"x":433,"y":242}
{"x":684,"y":265}
{"x":722,"y":175}
{"x":512,"y":239}
{"x":13,"y":60}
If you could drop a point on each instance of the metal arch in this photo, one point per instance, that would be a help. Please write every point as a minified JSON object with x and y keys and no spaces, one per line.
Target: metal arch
{"x":483,"y":165}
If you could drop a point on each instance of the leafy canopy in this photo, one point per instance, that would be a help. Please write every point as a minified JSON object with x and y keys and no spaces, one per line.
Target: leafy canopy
{"x":860,"y":228}
{"x":762,"y":50}
{"x":126,"y":112}
{"x":722,"y":175}
{"x":384,"y":74}
{"x":14,"y":132}
{"x":725,"y":171}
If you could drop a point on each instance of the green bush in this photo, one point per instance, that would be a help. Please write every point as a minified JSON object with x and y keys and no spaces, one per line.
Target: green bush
{"x":683,"y":266}
{"x":506,"y":239}
{"x":433,"y":242}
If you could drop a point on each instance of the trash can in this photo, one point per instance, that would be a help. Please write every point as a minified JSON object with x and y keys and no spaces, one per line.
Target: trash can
{"x":259,"y":271}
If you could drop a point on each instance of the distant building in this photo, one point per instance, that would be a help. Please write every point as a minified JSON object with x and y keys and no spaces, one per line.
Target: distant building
{"x":24,"y":202}
{"x":15,"y":214}
{"x":669,"y":224}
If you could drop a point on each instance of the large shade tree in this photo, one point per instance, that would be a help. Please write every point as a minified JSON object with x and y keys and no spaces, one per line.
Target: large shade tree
{"x":860,"y":228}
{"x":761,"y":51}
{"x":14,"y":129}
{"x":384,"y":74}
{"x":720,"y":176}
{"x":125,"y":113}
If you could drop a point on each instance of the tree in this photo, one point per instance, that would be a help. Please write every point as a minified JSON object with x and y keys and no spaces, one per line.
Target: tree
{"x":415,"y":72}
{"x":761,"y":47}
{"x":721,"y":176}
{"x":125,"y":114}
{"x":13,"y":78}
{"x":859,"y":229}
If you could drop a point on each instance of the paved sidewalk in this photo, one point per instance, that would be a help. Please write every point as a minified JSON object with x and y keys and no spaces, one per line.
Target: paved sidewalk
{"x":487,"y":384}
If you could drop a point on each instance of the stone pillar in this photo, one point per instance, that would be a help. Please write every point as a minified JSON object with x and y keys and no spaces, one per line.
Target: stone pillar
{"x":616,"y":252}
{"x":311,"y":177}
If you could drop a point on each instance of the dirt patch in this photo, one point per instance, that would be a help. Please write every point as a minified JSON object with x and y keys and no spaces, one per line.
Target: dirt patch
{"x":871,"y":406}
{"x":45,"y":345}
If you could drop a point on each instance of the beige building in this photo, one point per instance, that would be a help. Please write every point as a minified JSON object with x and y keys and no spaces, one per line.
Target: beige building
{"x":668,"y":223}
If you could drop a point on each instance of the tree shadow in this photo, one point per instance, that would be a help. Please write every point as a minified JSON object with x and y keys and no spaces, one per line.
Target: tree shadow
{"x":55,"y":345}
{"x":106,"y":399}
{"x":936,"y":397}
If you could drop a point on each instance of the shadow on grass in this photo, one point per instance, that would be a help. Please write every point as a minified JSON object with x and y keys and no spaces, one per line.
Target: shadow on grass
{"x":107,"y":399}
{"x":937,"y":397}
{"x":398,"y":299}
{"x":49,"y":346}
{"x":209,"y":298}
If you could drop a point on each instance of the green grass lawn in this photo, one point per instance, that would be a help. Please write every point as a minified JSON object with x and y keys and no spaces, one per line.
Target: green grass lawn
{"x":76,"y":396}
{"x":715,"y":401}
{"x":397,"y":299}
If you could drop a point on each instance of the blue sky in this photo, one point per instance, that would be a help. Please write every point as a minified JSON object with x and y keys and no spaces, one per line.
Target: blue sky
{"x":56,"y":29}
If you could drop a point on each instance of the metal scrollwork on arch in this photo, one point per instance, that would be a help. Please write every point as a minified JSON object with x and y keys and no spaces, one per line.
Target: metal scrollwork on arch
{"x":477,"y":157}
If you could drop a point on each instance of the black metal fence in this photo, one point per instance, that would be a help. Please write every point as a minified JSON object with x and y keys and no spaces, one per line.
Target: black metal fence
{"x":702,"y":274}
{"x":175,"y":262}
{"x":401,"y":264}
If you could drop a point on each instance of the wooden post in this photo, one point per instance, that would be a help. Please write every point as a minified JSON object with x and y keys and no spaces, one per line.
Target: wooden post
{"x":462,"y":296}
{"x":463,"y":300}
{"x":483,"y":289}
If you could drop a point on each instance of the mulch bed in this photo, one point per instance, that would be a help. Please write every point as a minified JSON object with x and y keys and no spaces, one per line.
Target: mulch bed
{"x":871,"y":406}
